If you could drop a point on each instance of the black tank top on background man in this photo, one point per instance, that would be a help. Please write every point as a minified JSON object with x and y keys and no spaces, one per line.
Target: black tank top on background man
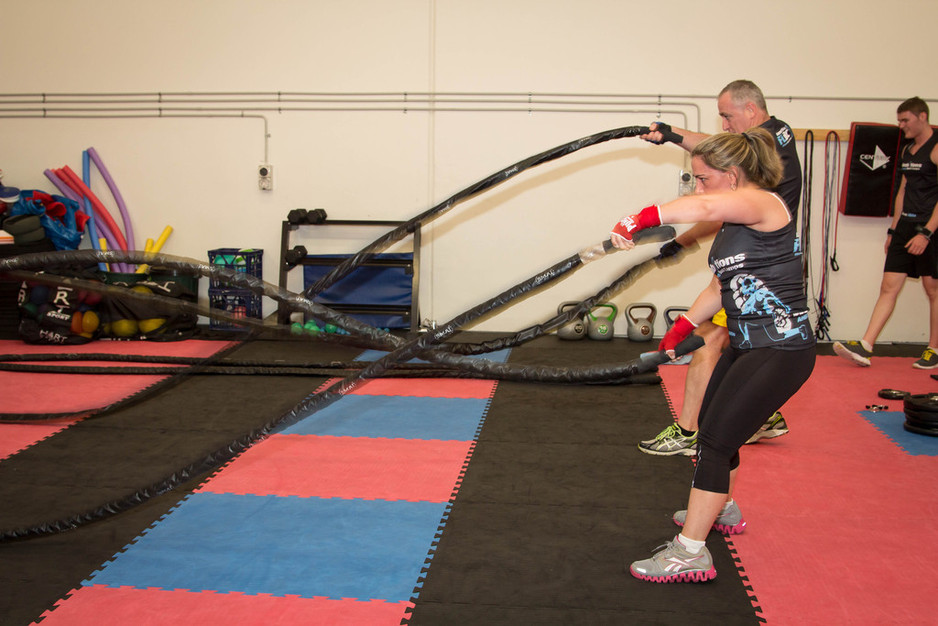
{"x":921,"y":181}
{"x":790,"y":187}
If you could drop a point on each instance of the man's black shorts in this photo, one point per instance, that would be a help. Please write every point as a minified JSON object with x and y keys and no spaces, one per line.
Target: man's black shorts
{"x":899,"y":260}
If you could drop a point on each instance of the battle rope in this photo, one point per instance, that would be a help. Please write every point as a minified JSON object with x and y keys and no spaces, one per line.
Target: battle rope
{"x":345,"y":267}
{"x":408,"y":349}
{"x":362,"y":335}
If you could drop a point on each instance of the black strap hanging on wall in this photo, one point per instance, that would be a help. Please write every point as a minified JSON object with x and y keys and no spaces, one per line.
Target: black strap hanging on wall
{"x":829,"y":235}
{"x":806,"y":189}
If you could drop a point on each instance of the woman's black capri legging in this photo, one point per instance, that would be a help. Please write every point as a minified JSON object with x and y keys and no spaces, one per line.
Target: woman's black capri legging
{"x":746,"y":388}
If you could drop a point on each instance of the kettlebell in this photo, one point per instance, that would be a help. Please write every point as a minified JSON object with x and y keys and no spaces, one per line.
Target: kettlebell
{"x":598,"y":327}
{"x":672,"y":313}
{"x":641,"y":328}
{"x":575,"y":328}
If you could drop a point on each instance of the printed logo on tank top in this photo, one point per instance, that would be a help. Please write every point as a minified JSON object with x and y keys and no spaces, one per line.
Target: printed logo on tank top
{"x":783,"y":136}
{"x":729,"y":263}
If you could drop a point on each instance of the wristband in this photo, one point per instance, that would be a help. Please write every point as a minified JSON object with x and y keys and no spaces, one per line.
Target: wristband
{"x":648,"y":217}
{"x":921,"y":230}
{"x":890,"y":232}
{"x":678,"y":332}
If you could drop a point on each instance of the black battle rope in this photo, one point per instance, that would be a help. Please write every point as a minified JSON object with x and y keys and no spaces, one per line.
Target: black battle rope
{"x":285,"y":370}
{"x":571,"y":312}
{"x":468,"y":368}
{"x":345,"y":267}
{"x":320,"y":400}
{"x":362,"y":334}
{"x":143,"y":394}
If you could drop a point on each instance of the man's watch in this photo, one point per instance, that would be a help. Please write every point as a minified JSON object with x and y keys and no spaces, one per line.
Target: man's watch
{"x":890,"y":232}
{"x":921,"y":230}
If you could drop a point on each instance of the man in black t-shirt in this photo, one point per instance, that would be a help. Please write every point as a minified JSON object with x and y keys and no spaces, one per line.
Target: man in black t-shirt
{"x":741,"y":105}
{"x":910,"y":251}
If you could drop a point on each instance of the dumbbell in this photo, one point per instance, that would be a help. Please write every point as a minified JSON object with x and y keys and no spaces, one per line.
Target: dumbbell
{"x":302,"y":216}
{"x":292,"y":257}
{"x":297,"y":216}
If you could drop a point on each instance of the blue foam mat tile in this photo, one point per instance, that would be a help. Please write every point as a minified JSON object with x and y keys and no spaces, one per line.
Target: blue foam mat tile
{"x":309,"y":547}
{"x":890,"y":424}
{"x":445,"y":419}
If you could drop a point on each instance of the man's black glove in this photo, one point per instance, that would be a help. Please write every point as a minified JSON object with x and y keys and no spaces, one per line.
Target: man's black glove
{"x":670,"y":249}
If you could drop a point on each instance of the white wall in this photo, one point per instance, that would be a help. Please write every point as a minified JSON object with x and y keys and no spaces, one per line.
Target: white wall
{"x":823,"y":65}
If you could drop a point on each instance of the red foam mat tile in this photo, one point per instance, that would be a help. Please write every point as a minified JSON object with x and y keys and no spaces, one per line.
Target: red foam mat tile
{"x":98,"y":605}
{"x":346,"y":467}
{"x":427,"y":387}
{"x":836,"y":512}
{"x":40,"y":393}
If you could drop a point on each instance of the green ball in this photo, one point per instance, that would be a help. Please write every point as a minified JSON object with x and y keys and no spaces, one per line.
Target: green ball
{"x":296,"y":328}
{"x":311,"y":327}
{"x":330,"y":328}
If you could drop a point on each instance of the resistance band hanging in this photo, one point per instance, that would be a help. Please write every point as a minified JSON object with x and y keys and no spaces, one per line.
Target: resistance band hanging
{"x":806,"y":189}
{"x":829,"y":235}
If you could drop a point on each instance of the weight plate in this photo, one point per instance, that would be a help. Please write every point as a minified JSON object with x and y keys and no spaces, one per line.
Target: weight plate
{"x":924,"y":402}
{"x":892,"y":394}
{"x":931,"y":432}
{"x":922,"y":418}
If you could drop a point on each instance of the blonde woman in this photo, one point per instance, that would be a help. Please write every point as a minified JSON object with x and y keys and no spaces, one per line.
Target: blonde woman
{"x":756,"y":262}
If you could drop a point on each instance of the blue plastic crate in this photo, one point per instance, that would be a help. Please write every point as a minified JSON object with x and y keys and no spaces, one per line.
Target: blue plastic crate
{"x":235,"y":302}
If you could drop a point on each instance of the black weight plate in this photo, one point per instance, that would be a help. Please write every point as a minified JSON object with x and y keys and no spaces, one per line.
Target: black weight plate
{"x":922,"y":402}
{"x":892,"y":394}
{"x":922,"y":416}
{"x":911,"y":421}
{"x":931,"y":432}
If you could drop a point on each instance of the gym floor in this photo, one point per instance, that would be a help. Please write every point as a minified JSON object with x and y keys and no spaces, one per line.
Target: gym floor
{"x":442,"y":501}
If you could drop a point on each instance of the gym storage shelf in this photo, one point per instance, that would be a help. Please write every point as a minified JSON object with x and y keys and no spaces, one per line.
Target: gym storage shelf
{"x":381,"y":292}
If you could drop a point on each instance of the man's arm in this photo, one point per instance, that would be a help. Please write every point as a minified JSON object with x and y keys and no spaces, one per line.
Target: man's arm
{"x":689,"y":139}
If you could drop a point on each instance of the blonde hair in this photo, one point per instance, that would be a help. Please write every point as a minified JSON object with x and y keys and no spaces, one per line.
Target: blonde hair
{"x":752,"y":153}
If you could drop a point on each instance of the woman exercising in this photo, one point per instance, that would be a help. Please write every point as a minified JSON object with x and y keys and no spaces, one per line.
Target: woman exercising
{"x":756,"y":262}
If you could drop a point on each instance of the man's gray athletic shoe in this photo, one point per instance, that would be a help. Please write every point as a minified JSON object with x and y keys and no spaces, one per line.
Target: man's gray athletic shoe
{"x":853,"y":351}
{"x":774,"y":427}
{"x":928,"y":361}
{"x":729,"y":522}
{"x":670,"y":442}
{"x":671,"y":563}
